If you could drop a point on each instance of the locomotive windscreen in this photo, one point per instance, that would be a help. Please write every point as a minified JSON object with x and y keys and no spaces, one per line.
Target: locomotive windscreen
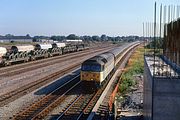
{"x":91,"y":67}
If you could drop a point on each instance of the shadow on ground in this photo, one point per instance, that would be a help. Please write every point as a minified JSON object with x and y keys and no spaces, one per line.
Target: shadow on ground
{"x":130,"y":118}
{"x":49,"y":88}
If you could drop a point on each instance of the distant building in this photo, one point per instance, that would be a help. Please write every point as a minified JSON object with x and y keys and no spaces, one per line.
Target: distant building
{"x":73,"y":40}
{"x":8,"y":39}
{"x":45,"y":40}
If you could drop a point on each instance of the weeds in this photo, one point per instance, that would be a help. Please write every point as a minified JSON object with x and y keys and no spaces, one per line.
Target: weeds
{"x":134,"y":67}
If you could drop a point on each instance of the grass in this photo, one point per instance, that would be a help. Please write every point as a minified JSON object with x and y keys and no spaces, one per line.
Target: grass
{"x":135,"y":66}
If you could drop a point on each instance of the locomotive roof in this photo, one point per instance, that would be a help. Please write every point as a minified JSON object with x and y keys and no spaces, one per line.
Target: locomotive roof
{"x":94,"y":60}
{"x":107,"y":56}
{"x":100,"y":59}
{"x":117,"y":50}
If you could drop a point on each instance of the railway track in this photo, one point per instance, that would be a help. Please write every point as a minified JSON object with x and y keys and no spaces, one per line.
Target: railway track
{"x":15,"y":66}
{"x":79,"y":108}
{"x":13,"y":70}
{"x":18,"y":92}
{"x":38,"y":109}
{"x":12,"y":95}
{"x":103,"y":110}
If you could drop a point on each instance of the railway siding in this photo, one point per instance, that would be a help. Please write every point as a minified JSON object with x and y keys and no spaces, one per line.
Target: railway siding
{"x":84,"y":107}
{"x":11,"y":108}
{"x":38,"y":109}
{"x":29,"y":76}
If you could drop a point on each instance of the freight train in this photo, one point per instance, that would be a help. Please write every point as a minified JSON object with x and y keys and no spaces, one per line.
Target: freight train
{"x":98,"y":69}
{"x":32,"y":52}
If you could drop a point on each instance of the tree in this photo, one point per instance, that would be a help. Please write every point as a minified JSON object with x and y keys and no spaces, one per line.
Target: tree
{"x":81,"y":38}
{"x":86,"y":38}
{"x":136,"y":37}
{"x":58,"y":38}
{"x":72,"y":37}
{"x":117,"y":38}
{"x":34,"y":39}
{"x":9,"y":35}
{"x":111,"y":38}
{"x":96,"y":38}
{"x":104,"y":37}
{"x":28,"y":36}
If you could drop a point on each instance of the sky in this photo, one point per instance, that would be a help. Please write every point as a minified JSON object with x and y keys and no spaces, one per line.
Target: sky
{"x":80,"y":17}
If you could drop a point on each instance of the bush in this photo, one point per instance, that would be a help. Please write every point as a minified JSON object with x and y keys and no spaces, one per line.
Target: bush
{"x":135,"y":66}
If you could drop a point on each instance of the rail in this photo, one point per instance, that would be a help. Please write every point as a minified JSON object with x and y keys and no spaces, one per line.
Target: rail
{"x":34,"y":111}
{"x":13,"y":70}
{"x":10,"y":96}
{"x":84,"y":102}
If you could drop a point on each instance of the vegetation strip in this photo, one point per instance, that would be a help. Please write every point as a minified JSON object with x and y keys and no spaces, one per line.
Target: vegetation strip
{"x":134,"y":67}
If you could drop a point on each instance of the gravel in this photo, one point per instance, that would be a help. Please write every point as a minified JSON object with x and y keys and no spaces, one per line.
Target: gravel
{"x":59,"y":109}
{"x":133,"y":102}
{"x":21,"y":79}
{"x":7,"y":111}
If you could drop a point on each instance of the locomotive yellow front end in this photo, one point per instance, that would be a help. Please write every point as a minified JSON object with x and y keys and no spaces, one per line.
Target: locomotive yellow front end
{"x":91,"y":76}
{"x":91,"y":72}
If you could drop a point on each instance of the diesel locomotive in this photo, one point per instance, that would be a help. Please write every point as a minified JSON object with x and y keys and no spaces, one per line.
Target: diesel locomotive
{"x":98,"y":69}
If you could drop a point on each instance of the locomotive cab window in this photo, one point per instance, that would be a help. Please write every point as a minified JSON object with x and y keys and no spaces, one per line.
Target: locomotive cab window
{"x":92,"y":67}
